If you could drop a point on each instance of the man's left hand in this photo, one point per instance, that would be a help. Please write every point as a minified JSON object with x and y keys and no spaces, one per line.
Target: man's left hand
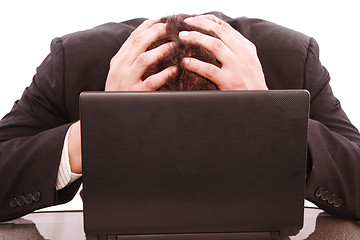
{"x":241,"y":68}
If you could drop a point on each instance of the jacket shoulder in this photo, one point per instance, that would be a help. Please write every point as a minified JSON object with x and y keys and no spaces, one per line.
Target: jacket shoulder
{"x":84,"y":59}
{"x":267,"y":35}
{"x":108,"y":35}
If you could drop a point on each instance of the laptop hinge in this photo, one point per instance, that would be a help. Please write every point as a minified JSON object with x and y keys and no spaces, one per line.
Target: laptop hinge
{"x":203,"y":236}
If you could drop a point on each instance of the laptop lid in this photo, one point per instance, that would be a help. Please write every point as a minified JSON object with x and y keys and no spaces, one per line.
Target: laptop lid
{"x":194,"y":165}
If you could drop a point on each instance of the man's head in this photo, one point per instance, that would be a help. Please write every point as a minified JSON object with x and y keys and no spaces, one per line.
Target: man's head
{"x":183,"y":79}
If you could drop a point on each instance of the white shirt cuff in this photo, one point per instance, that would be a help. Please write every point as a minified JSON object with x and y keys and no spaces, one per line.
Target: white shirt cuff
{"x":65,"y":177}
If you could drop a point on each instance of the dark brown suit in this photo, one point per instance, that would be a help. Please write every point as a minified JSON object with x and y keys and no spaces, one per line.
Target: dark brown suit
{"x":32,"y":134}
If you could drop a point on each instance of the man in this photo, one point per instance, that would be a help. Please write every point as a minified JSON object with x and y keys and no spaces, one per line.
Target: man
{"x":40,"y":149}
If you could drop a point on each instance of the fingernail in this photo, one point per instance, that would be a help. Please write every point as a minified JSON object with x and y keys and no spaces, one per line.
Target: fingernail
{"x":189,"y":19}
{"x":174,"y":69}
{"x":183,"y":34}
{"x":186,"y":60}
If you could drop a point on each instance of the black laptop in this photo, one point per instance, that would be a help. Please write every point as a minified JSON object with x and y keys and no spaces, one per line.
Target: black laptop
{"x":197,"y":165}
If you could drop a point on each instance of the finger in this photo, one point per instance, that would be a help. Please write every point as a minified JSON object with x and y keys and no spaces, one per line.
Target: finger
{"x":207,"y":22}
{"x":141,"y":28}
{"x":207,"y":70}
{"x":144,"y":60}
{"x":138,"y":43}
{"x":212,"y":23}
{"x":222,"y":29}
{"x":214,"y":45}
{"x":157,"y":80}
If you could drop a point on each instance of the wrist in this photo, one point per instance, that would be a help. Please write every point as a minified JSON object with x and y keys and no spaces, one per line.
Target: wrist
{"x":74,"y":146}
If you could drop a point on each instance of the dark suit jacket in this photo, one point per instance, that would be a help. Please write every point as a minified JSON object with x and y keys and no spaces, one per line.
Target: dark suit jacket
{"x":32,"y":134}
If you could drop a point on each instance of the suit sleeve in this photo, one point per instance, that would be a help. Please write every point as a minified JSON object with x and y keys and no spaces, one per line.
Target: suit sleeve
{"x":333,"y":181}
{"x":31,"y":141}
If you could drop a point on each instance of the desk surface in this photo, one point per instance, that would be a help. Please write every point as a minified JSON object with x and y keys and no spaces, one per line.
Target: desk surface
{"x":69,"y":225}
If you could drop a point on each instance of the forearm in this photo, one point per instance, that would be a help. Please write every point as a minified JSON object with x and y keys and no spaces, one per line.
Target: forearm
{"x":333,"y":182}
{"x":28,"y":165}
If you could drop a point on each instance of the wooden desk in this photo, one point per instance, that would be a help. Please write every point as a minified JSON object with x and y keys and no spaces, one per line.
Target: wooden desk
{"x":68,"y":225}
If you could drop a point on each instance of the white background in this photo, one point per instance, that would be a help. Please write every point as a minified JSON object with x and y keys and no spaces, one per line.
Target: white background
{"x":27,"y":28}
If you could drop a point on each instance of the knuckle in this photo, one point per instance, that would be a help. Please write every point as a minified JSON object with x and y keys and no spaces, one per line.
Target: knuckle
{"x":224,"y":24}
{"x":148,"y":85}
{"x":212,"y":17}
{"x":215,"y":19}
{"x":142,"y":59}
{"x":133,"y":34}
{"x":136,"y":40}
{"x":115,"y":63}
{"x":112,"y":62}
{"x":217,"y":44}
{"x":211,"y":71}
{"x":220,"y":29}
{"x":252,"y":46}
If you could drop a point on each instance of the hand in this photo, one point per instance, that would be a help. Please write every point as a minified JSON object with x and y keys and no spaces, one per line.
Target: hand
{"x":126,"y":70}
{"x":241,"y":68}
{"x":132,"y":60}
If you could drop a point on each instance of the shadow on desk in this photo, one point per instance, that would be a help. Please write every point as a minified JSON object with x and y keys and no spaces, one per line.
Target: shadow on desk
{"x":69,"y":225}
{"x":19,"y":229}
{"x":329,"y":227}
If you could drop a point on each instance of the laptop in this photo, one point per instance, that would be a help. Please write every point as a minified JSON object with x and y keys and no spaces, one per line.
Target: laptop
{"x":194,"y":165}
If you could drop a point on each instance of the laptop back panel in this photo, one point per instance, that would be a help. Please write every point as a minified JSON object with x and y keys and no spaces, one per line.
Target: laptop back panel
{"x":199,"y":163}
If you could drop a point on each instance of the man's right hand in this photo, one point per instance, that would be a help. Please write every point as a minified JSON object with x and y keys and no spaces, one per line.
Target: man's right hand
{"x":126,"y":70}
{"x":132,"y":60}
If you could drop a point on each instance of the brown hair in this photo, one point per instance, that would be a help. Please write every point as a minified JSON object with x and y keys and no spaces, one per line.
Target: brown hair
{"x":183,"y":79}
